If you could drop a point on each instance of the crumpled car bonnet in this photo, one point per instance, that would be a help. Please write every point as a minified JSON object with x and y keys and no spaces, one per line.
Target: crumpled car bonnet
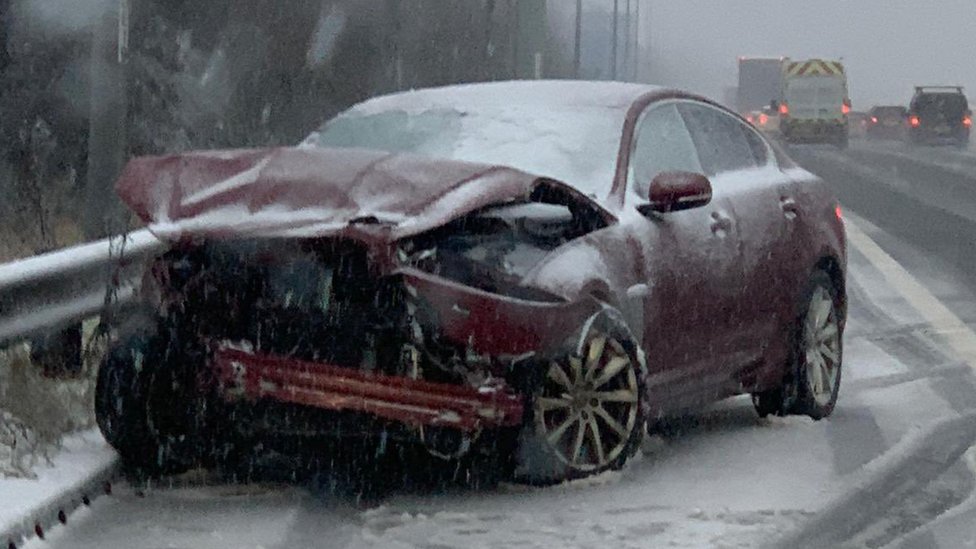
{"x":308,"y":192}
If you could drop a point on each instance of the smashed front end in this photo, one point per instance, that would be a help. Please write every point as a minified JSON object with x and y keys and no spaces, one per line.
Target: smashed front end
{"x":358,"y":285}
{"x":434,"y":330}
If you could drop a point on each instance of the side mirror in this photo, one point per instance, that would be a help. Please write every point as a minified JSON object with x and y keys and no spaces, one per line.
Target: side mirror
{"x":675,"y":191}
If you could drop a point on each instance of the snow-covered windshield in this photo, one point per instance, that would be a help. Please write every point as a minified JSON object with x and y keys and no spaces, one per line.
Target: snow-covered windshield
{"x":577,"y":146}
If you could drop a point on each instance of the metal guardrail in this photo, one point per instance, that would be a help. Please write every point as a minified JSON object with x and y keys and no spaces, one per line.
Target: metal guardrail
{"x":53,"y":290}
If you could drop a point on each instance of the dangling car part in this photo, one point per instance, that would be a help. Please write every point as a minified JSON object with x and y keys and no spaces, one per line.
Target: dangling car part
{"x":409,"y":401}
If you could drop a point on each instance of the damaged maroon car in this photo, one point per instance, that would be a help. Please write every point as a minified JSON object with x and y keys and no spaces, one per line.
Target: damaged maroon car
{"x":531,"y":270}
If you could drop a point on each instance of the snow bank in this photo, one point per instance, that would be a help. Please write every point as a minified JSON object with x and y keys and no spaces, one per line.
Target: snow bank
{"x":72,"y":475}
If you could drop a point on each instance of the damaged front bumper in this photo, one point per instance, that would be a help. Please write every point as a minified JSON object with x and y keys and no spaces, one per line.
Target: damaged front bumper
{"x":251,"y":376}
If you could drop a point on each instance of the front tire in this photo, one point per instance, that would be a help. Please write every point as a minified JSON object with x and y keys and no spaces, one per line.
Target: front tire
{"x":587,"y":414}
{"x":142,"y":409}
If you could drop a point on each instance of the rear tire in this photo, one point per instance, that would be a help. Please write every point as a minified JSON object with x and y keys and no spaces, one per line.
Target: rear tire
{"x":586,"y":413}
{"x":819,"y":350}
{"x":770,"y":403}
{"x":813,"y":379}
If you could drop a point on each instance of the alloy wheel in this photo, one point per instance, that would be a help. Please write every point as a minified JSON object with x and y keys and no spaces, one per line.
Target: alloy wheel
{"x":588,"y":408}
{"x":821,"y":347}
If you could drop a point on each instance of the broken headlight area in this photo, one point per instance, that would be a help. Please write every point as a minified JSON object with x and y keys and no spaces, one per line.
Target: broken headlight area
{"x":494,"y":249}
{"x":313,"y":300}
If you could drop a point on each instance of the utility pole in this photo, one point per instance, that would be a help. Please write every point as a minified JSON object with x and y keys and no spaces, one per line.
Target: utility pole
{"x":107,"y":118}
{"x":627,"y":38}
{"x":532,"y":38}
{"x":514,"y":26}
{"x":579,"y":38}
{"x":637,"y":30}
{"x":648,"y":76}
{"x":613,"y":47}
{"x":60,"y":352}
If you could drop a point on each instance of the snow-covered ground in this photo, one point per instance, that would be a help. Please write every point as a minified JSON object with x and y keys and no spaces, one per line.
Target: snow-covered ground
{"x":82,"y":457}
{"x":728,"y":480}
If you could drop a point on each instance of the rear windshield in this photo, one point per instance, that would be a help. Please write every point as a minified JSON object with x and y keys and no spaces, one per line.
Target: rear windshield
{"x":947,"y":103}
{"x":815,"y":91}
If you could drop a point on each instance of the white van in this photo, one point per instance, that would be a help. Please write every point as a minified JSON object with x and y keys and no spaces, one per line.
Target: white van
{"x":814,"y":102}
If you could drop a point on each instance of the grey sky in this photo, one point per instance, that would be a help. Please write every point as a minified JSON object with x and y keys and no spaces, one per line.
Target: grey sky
{"x":888,"y":45}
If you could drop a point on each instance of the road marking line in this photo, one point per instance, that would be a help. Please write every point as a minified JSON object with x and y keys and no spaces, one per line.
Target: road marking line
{"x":946,"y":324}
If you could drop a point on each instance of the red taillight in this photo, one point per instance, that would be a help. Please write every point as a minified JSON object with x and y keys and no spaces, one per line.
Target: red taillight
{"x":784,"y":109}
{"x":967,"y":121}
{"x":874,"y":119}
{"x":838,"y":212}
{"x":914,"y":121}
{"x":763,"y":119}
{"x":749,"y":119}
{"x":845,"y":109}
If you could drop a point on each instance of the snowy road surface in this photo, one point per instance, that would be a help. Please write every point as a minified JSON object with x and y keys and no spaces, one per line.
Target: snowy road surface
{"x":730,"y":479}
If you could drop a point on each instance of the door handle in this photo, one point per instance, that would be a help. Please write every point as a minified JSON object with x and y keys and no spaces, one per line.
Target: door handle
{"x":638,"y":291}
{"x":721,"y":224}
{"x":790,"y":208}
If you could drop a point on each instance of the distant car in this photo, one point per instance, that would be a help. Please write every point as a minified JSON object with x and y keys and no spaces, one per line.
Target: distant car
{"x":522,"y":272}
{"x":766,"y":120}
{"x":888,"y":122}
{"x":939,"y":115}
{"x":858,"y":124}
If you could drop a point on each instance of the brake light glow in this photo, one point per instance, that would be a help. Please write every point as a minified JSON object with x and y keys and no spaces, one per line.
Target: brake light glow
{"x":839,"y":212}
{"x":763,"y":119}
{"x":874,"y":119}
{"x":967,"y":121}
{"x":749,"y":119}
{"x":914,"y":121}
{"x":784,"y":109}
{"x":845,"y":109}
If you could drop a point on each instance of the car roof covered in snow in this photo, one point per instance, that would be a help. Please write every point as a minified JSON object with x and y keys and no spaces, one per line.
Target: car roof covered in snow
{"x":549,"y":93}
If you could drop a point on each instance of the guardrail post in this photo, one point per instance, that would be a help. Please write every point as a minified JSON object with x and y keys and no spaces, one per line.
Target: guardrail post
{"x":59,"y":353}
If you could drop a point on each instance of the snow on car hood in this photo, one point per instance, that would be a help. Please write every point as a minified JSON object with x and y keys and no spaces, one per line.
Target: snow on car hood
{"x":308,"y":192}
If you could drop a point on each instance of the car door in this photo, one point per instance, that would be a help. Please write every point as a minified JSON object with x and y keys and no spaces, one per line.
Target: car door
{"x":739,"y":164}
{"x":690,"y":259}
